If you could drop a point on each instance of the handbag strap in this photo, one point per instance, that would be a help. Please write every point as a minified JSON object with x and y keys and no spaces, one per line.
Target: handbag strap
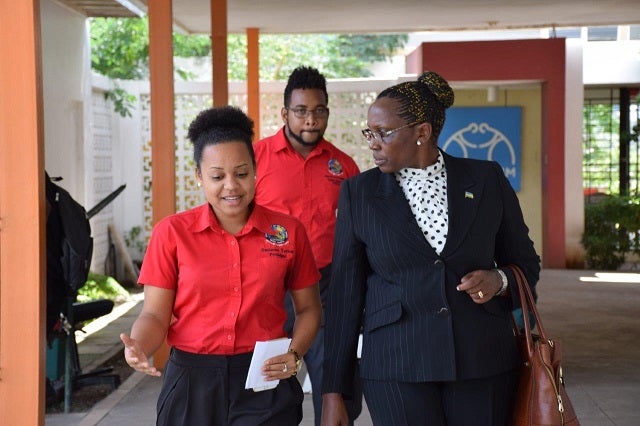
{"x":528,"y":304}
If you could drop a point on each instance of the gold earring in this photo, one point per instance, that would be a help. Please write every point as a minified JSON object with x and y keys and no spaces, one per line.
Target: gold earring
{"x":198,"y":184}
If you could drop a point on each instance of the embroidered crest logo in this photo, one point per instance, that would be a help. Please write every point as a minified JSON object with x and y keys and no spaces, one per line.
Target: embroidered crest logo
{"x":280,"y":235}
{"x":335,"y":167}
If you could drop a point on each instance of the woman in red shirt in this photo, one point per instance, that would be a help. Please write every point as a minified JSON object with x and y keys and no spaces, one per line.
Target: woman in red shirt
{"x":214,"y":282}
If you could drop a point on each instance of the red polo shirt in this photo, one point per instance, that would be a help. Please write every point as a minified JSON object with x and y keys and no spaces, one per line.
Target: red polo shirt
{"x":229,"y":289}
{"x":306,"y":188}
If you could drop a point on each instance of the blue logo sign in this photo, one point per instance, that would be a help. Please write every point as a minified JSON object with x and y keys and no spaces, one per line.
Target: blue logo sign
{"x":486,"y":133}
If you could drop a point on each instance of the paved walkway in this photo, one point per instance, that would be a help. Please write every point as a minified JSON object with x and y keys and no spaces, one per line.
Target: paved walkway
{"x":596,"y":316}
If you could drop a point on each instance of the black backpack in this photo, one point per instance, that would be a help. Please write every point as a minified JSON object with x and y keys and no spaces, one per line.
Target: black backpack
{"x":74,"y":237}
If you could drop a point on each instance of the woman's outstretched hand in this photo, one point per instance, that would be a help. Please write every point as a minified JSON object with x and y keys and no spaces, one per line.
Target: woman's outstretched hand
{"x":136,"y":358}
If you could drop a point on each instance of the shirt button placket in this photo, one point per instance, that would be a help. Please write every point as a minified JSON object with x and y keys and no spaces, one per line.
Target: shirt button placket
{"x":234,"y":284}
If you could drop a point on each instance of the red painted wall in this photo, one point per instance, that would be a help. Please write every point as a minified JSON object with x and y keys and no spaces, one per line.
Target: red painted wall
{"x":542,"y":60}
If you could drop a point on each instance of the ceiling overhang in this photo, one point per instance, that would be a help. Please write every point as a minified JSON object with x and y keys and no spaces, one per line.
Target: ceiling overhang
{"x":375,"y":16}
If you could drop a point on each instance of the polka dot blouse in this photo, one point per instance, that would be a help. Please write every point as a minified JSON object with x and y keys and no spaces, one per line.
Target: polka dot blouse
{"x":426,"y":191}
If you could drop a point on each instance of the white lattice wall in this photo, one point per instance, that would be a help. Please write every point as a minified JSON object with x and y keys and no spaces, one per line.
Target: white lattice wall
{"x":101,"y":176}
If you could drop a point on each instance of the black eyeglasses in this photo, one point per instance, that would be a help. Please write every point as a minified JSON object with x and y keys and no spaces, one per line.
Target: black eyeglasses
{"x":372,"y":136}
{"x":320,"y":112}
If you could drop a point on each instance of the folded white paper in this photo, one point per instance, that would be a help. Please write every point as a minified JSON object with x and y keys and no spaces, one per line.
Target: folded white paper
{"x":262,"y":352}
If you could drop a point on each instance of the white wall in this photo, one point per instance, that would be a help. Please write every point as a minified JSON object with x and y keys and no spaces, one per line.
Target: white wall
{"x":131,"y":140}
{"x":573,"y":156}
{"x":612,"y":63}
{"x":77,"y":142}
{"x":65,"y":71}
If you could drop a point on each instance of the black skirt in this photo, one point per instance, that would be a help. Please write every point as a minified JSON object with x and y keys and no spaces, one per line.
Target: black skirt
{"x":202,"y":389}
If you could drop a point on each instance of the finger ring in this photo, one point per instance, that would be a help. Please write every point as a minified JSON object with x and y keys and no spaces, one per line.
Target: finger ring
{"x":284,"y":367}
{"x":480,"y":294}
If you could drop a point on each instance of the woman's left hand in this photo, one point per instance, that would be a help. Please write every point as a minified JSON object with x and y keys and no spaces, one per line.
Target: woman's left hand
{"x":480,"y":285}
{"x":280,"y":367}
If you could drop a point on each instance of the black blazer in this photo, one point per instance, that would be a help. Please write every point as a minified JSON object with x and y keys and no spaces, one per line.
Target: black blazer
{"x":387,"y":278}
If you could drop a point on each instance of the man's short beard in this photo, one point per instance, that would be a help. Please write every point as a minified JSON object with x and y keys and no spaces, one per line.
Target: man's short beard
{"x":299,"y":139}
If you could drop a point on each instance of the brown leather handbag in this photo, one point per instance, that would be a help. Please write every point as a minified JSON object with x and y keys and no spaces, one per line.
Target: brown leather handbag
{"x":541,"y":398}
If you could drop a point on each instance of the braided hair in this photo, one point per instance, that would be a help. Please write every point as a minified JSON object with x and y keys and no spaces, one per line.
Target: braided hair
{"x":220,"y":125}
{"x":423,"y":100}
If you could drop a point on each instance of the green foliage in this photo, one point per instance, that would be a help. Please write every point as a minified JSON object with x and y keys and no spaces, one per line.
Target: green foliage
{"x":187,"y":46}
{"x":102,"y":287}
{"x":601,"y":147}
{"x":122,"y":100}
{"x":134,"y":240}
{"x":335,"y":55}
{"x":602,"y":142}
{"x":612,"y":230}
{"x":120,"y":49}
{"x":633,"y":135}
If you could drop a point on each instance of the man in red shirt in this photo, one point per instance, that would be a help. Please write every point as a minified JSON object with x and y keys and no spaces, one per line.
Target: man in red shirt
{"x":299,"y":173}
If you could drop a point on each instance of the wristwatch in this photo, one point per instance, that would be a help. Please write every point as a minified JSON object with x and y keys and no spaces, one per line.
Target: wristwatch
{"x":505,"y":282}
{"x":298,"y":360}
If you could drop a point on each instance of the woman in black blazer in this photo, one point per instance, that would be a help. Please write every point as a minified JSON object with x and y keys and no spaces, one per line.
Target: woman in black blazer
{"x":422,"y":243}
